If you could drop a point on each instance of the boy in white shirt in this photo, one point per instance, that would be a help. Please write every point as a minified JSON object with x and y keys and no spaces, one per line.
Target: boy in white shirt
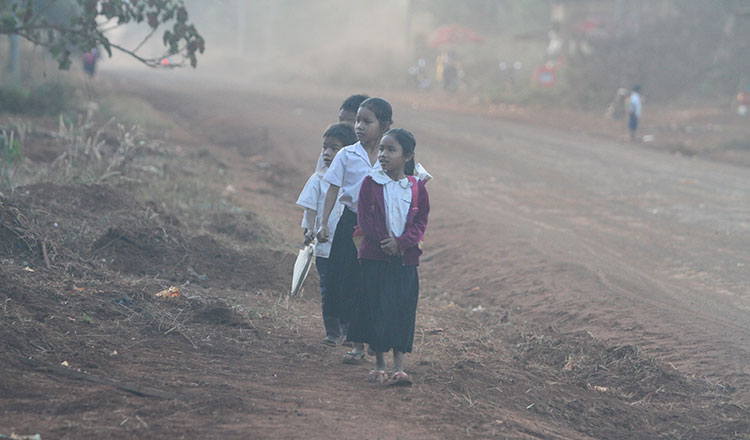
{"x":312,"y":197}
{"x":634,"y":109}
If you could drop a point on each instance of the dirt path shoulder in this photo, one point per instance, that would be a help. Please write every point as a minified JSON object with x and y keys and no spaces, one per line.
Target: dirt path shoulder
{"x":234,"y":358}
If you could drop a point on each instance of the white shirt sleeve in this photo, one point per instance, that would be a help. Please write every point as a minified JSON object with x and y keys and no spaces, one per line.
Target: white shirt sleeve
{"x":310,"y":194}
{"x":335,"y":173}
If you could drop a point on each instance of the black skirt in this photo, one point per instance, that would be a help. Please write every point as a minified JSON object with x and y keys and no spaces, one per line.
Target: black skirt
{"x":387,"y":306}
{"x":344,"y":271}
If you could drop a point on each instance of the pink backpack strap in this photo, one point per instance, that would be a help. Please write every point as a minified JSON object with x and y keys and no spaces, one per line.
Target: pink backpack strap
{"x":414,"y":194}
{"x":414,"y":208}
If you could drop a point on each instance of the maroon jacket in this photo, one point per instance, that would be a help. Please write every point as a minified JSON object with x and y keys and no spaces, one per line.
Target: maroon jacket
{"x":371,"y":220}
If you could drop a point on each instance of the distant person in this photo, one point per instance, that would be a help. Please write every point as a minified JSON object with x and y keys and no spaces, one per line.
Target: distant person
{"x":312,"y":198}
{"x":347,"y":115}
{"x":619,"y":105}
{"x":634,"y":111}
{"x":89,"y":62}
{"x":346,"y":173}
{"x":449,"y":73}
{"x":392,"y":213}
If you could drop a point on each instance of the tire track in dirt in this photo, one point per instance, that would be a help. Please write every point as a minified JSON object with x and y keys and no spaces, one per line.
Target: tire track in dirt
{"x":558,"y":193}
{"x":531,"y":198}
{"x":543,"y":225}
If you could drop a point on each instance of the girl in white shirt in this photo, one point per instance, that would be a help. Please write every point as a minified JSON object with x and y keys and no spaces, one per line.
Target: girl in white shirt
{"x":350,"y":166}
{"x":392,"y":218}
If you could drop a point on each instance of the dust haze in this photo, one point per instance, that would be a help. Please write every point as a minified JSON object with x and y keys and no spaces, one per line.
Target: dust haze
{"x":323,"y":41}
{"x":579,"y":52}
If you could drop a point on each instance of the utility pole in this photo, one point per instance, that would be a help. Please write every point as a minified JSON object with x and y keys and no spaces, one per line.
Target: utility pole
{"x":269,"y":34}
{"x":14,"y":64}
{"x":619,"y":13}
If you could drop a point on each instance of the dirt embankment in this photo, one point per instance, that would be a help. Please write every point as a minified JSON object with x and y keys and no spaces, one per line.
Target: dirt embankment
{"x":90,"y":351}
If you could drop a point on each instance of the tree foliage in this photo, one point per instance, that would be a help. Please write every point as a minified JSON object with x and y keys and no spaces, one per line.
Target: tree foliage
{"x":83,"y":24}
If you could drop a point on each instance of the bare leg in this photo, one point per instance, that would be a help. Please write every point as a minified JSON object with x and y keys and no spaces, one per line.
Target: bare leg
{"x":398,"y":361}
{"x":380,"y":361}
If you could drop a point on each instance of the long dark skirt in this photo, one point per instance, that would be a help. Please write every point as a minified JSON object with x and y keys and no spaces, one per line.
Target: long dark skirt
{"x":387,"y":306}
{"x":344,"y":271}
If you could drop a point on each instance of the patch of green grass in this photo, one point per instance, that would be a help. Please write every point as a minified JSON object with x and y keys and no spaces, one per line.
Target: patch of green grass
{"x":11,"y":143}
{"x":47,"y":98}
{"x":130,"y":110}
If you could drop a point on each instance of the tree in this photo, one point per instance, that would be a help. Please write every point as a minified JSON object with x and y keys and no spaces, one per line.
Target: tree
{"x":80,"y":25}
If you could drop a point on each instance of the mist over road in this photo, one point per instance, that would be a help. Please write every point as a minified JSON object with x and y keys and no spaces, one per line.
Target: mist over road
{"x":635,"y":246}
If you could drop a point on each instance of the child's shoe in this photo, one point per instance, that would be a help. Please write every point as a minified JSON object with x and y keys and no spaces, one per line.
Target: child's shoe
{"x":344,"y":342}
{"x":330,"y":341}
{"x":354,"y":358}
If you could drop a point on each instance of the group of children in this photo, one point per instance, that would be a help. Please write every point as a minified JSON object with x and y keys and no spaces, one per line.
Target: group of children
{"x":368,"y":213}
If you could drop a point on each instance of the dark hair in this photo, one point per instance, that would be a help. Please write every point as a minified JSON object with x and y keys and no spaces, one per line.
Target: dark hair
{"x":406,"y":139}
{"x":352,"y":103}
{"x":637,"y":88}
{"x":381,"y":108}
{"x":342,"y":132}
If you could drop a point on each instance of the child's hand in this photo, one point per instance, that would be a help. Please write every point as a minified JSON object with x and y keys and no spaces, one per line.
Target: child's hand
{"x":309,"y":236}
{"x":390,"y":246}
{"x":323,"y":234}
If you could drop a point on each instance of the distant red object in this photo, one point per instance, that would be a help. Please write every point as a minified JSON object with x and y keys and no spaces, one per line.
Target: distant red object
{"x":453,"y":34}
{"x":165,"y":61}
{"x":545,"y":76}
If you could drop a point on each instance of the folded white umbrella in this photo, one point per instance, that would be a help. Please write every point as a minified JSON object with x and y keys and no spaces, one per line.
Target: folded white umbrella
{"x":302,"y":268}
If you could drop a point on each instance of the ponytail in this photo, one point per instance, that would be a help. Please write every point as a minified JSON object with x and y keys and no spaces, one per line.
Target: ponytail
{"x":409,"y":167}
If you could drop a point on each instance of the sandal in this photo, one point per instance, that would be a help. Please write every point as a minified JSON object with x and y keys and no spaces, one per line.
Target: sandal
{"x":329,"y":341}
{"x":354,"y":357}
{"x":400,"y":379}
{"x":377,"y":376}
{"x":345,"y":342}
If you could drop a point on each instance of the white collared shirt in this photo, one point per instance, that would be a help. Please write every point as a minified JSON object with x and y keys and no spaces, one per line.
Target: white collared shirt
{"x":397,"y":198}
{"x":313,"y":197}
{"x":635,"y":104}
{"x":347,"y":171}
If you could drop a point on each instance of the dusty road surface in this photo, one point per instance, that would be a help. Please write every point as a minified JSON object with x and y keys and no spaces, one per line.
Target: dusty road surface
{"x":572,"y":288}
{"x":635,"y":246}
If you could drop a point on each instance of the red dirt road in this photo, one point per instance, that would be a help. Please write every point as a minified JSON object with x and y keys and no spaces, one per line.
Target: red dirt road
{"x":636,"y":246}
{"x":612,"y":279}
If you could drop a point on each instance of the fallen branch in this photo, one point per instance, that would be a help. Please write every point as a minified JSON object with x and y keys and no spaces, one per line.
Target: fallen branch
{"x":75,"y":374}
{"x":44,"y":253}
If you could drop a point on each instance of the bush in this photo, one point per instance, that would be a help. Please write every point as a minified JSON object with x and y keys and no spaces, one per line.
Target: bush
{"x":49,"y":98}
{"x":13,"y":99}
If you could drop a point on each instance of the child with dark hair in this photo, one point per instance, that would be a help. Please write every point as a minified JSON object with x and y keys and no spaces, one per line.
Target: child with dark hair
{"x":347,"y":115}
{"x":348,"y":109}
{"x":312,"y":198}
{"x":348,"y":169}
{"x":392,"y":213}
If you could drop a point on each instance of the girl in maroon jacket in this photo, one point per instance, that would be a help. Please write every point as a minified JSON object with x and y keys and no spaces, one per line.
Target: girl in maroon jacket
{"x":392,"y":216}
